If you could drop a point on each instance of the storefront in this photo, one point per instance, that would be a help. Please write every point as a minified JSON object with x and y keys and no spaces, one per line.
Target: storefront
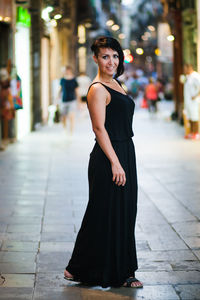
{"x":45,"y":77}
{"x":189,"y":21}
{"x":23,"y":66}
{"x":6,"y":54}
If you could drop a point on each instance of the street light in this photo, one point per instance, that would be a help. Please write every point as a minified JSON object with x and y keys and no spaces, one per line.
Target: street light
{"x":139,"y":51}
{"x":58,"y":16}
{"x":53,"y":23}
{"x":115,"y":27}
{"x":158,"y":52}
{"x":49,"y":9}
{"x":110,"y":22}
{"x":144,"y":38}
{"x":121,"y":36}
{"x":7,"y":19}
{"x":133,"y":43}
{"x":127,"y":52}
{"x":170,"y":38}
{"x":151,"y":28}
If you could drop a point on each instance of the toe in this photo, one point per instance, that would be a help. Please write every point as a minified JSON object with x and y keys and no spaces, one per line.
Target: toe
{"x":136,"y":284}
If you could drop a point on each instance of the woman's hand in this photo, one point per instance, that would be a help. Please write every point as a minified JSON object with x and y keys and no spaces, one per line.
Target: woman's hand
{"x":119,"y":176}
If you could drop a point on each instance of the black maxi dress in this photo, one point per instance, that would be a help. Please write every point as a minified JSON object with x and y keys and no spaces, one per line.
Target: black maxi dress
{"x":104,"y":253}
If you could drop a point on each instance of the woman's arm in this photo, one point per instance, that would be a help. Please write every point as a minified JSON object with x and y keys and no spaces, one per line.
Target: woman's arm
{"x":97,"y":98}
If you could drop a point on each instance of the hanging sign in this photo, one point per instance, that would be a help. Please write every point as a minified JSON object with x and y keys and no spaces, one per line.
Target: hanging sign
{"x":23,"y":16}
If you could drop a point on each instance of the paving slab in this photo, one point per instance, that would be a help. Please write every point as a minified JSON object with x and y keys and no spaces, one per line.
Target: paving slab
{"x":17,"y":281}
{"x":20,"y":246}
{"x":57,"y":237}
{"x":11,"y":293}
{"x":56,"y":247}
{"x":52,"y":261}
{"x":188,"y":291}
{"x":24,"y":228}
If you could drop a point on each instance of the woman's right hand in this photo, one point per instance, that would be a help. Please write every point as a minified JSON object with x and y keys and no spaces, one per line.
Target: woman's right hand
{"x":119,"y":176}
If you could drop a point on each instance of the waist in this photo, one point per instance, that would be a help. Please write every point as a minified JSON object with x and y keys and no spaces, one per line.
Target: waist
{"x":127,"y":139}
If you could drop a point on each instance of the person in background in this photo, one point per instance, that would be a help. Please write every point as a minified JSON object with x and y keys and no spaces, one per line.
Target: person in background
{"x":7,"y":109}
{"x":160,"y":89}
{"x":70,"y":96}
{"x":191,"y":100}
{"x":84,"y":82}
{"x":135,"y":86}
{"x":151,"y":95}
{"x":128,"y":80}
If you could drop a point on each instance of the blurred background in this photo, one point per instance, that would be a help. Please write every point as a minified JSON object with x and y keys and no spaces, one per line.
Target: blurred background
{"x":39,"y":37}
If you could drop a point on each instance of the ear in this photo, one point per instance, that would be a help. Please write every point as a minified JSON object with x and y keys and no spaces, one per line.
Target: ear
{"x":95,"y":58}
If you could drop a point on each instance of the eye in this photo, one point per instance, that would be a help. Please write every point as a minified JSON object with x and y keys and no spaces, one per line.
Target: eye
{"x":105,"y":56}
{"x":116,"y":56}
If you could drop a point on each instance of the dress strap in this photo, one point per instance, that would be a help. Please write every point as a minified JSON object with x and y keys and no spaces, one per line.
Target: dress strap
{"x":95,"y":83}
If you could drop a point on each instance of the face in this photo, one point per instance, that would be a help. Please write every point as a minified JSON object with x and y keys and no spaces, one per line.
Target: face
{"x":68,"y":71}
{"x":107,"y":60}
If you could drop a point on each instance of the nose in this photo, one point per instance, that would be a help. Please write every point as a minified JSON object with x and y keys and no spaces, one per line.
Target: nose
{"x":110,"y":61}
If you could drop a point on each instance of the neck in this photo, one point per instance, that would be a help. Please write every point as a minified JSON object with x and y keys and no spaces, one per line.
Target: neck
{"x":105,"y":78}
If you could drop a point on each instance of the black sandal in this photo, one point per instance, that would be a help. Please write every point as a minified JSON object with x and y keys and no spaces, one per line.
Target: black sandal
{"x":131,"y":280}
{"x":69,"y":278}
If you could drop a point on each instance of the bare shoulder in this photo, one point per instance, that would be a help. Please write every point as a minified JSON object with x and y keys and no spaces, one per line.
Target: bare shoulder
{"x":97,"y":90}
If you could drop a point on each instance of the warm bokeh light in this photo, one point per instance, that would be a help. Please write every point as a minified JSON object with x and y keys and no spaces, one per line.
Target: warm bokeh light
{"x":157,"y":51}
{"x":151,"y":28}
{"x":115,"y":27}
{"x":122,"y":36}
{"x":170,"y":38}
{"x":49,"y":9}
{"x":53,"y":23}
{"x":7,"y":19}
{"x":139,"y":51}
{"x":110,"y":22}
{"x":58,"y":16}
{"x":81,"y":34}
{"x":144,"y":38}
{"x":128,"y":58}
{"x":133,"y":43}
{"x":88,"y":25}
{"x":127,"y":52}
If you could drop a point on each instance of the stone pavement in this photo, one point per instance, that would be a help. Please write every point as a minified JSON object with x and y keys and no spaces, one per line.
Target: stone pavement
{"x":43,"y":195}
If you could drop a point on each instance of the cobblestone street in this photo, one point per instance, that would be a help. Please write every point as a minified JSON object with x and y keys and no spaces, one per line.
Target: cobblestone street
{"x":44,"y":193}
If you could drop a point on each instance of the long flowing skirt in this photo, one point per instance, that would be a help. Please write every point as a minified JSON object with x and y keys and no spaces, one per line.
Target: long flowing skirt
{"x":105,"y":252}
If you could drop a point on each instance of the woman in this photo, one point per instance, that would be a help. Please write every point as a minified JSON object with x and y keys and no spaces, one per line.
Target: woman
{"x":151,"y":95}
{"x":69,"y":89}
{"x":104,"y":252}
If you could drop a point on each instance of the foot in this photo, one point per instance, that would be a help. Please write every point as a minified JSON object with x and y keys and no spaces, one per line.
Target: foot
{"x":196,"y":136}
{"x":133,"y":283}
{"x":68,"y":275}
{"x":188,"y":136}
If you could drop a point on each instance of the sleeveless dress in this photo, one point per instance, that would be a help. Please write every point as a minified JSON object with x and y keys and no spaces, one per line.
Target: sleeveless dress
{"x":104,"y":253}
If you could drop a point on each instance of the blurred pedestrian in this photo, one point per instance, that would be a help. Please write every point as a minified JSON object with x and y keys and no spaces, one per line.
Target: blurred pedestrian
{"x":84,"y":82}
{"x":104,"y":252}
{"x":151,"y":95}
{"x":160,"y":89}
{"x":7,"y":109}
{"x":135,"y":87}
{"x":191,"y":100}
{"x":70,"y":96}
